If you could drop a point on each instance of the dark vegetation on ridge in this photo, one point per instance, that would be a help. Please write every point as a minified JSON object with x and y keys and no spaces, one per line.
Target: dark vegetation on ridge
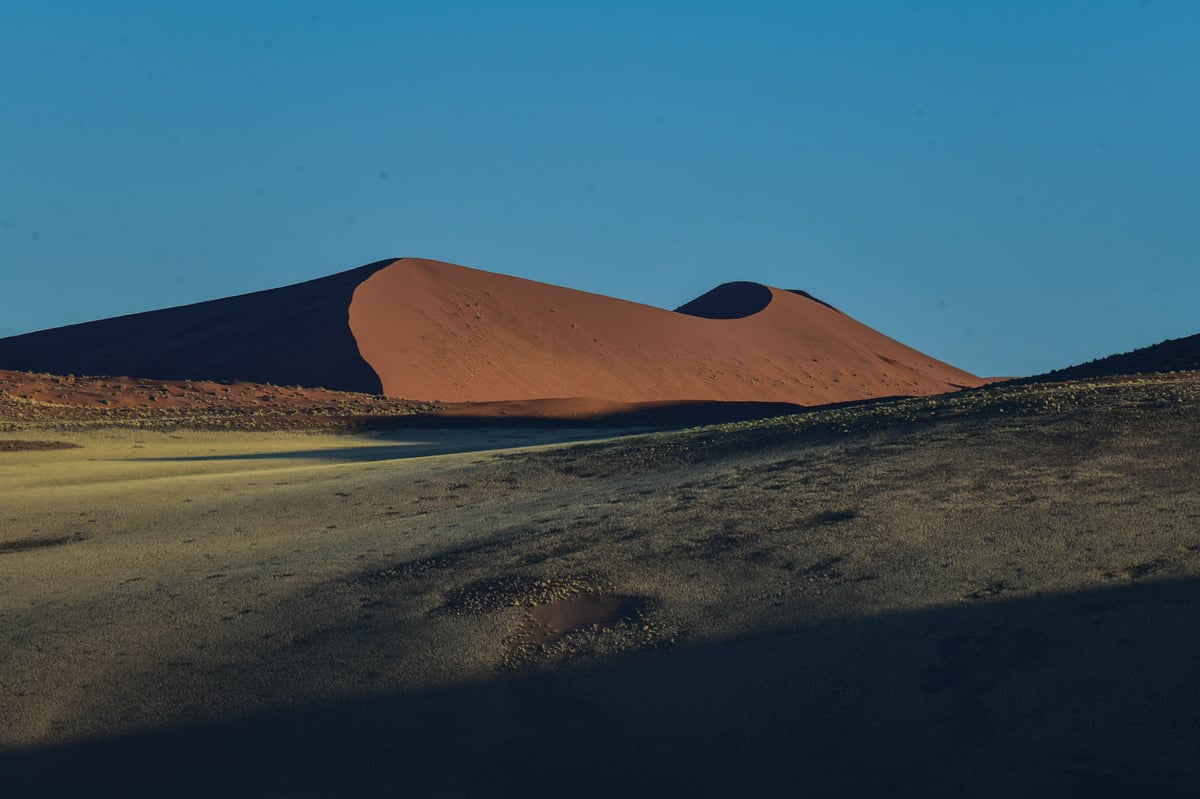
{"x":1172,"y":355}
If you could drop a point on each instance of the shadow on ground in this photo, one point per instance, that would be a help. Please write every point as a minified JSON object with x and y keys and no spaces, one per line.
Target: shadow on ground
{"x":1086,"y":695}
{"x":422,"y":444}
{"x":666,"y":415}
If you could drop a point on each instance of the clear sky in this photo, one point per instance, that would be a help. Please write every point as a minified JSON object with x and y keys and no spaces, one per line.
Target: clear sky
{"x":1009,"y":186}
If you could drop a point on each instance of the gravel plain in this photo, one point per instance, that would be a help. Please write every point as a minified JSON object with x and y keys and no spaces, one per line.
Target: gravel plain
{"x":991,"y":593}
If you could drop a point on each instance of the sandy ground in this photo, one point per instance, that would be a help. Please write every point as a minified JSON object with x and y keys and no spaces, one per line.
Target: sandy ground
{"x":30,"y":399}
{"x":127,"y":526}
{"x":990,"y":594}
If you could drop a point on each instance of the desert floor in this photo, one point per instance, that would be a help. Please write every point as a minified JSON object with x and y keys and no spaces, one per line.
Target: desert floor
{"x":989,"y":594}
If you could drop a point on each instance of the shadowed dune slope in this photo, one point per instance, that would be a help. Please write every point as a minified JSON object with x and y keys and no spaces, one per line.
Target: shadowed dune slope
{"x":295,"y":335}
{"x":434,"y":330}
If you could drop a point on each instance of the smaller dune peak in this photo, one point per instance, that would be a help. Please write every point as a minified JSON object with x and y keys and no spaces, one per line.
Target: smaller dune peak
{"x":735,"y":300}
{"x":738,"y":300}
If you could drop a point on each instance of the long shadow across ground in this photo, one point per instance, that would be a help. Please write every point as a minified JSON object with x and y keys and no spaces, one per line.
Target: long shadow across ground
{"x":1092,"y":694}
{"x":423,"y":443}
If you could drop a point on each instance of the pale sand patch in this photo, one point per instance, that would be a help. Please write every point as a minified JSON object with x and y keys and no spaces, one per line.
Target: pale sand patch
{"x":126,"y":540}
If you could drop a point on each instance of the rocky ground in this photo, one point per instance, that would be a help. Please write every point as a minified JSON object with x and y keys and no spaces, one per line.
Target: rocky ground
{"x":990,"y":593}
{"x":30,"y":399}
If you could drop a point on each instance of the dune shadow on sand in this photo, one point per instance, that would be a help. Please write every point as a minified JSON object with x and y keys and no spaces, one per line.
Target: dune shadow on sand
{"x":665,"y":415}
{"x":426,"y":434}
{"x":425,"y":443}
{"x":1091,"y":694}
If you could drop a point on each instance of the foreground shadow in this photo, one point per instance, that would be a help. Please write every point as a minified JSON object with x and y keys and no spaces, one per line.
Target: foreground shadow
{"x":1087,"y":695}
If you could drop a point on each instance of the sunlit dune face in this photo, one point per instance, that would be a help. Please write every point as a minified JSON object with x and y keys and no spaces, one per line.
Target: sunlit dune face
{"x":432,"y":330}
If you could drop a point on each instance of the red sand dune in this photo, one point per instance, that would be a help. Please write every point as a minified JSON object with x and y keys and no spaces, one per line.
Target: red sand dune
{"x":437,"y":331}
{"x":434,"y":331}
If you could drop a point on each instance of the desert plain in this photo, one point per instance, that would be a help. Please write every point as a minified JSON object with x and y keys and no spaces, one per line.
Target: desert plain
{"x":988,"y":593}
{"x":794,"y":583}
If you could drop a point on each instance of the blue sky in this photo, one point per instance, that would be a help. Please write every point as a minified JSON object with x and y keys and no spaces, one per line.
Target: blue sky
{"x":1008,"y":186}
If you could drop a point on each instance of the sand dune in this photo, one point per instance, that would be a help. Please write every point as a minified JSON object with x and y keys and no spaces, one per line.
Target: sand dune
{"x":428,"y":330}
{"x":437,"y":331}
